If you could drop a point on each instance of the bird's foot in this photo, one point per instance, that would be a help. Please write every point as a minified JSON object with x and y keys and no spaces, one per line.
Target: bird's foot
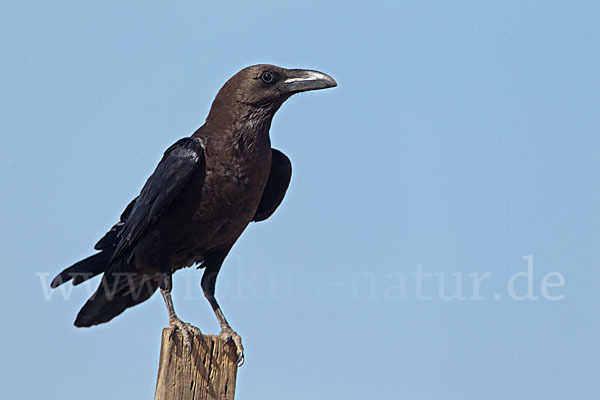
{"x":228,"y":334}
{"x":186,"y":329}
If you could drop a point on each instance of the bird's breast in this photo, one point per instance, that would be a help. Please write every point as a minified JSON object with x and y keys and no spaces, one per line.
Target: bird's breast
{"x":236,"y":182}
{"x":231,"y":193}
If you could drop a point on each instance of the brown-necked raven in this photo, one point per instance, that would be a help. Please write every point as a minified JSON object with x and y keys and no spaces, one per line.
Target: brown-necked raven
{"x":204,"y":192}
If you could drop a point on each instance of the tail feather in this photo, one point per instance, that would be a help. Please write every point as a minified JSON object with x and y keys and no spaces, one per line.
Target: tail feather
{"x":117,"y":292}
{"x":84,"y":269}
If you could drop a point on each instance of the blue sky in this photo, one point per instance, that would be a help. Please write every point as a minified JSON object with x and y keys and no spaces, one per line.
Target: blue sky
{"x":463,"y":137}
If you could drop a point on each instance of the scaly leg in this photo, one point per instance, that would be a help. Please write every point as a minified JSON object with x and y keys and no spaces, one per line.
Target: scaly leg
{"x":209,"y":280}
{"x":187,"y":329}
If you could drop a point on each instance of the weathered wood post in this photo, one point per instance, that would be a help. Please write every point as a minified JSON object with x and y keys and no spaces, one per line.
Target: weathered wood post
{"x":208,"y":373}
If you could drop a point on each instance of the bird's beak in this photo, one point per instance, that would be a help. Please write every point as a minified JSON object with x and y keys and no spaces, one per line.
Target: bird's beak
{"x":301,"y":80}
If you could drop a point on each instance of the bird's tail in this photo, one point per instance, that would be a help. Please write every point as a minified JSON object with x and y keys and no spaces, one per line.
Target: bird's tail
{"x":118,"y":290}
{"x":84,"y":269}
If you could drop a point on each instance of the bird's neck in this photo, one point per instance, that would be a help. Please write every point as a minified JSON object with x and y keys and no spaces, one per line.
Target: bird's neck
{"x":243,"y":129}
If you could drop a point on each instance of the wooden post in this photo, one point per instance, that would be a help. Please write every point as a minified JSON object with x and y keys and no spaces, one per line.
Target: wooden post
{"x":208,"y":373}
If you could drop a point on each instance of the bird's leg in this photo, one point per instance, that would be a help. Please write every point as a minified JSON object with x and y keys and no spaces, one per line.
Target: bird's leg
{"x":174,"y":321}
{"x":209,"y":280}
{"x":229,"y":334}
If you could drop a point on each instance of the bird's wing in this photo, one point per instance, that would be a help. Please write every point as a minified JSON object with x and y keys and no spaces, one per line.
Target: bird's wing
{"x":111,"y":238}
{"x":279,"y":180}
{"x":180,"y":160}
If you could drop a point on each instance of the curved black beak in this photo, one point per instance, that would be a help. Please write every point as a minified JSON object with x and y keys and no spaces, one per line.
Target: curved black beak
{"x":302,"y":80}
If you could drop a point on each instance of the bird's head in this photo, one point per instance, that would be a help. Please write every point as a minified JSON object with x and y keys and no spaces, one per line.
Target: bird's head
{"x":265,"y":87}
{"x":265,"y":83}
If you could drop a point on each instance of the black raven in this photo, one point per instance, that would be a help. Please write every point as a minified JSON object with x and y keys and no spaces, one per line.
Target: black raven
{"x":204,"y":192}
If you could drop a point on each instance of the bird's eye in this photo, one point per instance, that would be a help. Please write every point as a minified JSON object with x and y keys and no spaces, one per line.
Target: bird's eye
{"x":267,"y":77}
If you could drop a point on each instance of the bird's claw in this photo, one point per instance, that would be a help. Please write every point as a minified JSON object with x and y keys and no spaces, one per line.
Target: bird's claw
{"x":229,"y":335}
{"x":186,"y":329}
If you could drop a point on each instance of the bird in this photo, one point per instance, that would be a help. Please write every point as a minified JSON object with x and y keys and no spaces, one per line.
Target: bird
{"x":204,"y":192}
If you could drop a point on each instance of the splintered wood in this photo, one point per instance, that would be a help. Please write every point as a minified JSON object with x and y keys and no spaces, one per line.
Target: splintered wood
{"x":208,"y":373}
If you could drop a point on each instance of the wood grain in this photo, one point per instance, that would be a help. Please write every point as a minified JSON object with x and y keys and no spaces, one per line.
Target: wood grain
{"x":208,"y":373}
